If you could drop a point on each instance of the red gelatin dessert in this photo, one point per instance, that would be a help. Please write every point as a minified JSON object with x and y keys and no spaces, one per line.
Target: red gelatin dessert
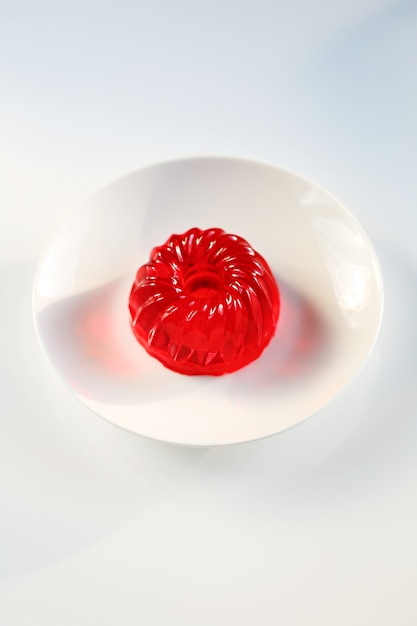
{"x":206,"y":303}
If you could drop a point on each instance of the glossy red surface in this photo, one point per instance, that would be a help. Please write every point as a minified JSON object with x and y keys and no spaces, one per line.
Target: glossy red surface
{"x":205,"y":303}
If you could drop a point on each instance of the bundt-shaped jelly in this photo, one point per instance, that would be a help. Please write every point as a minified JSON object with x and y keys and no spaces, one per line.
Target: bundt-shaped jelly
{"x":206,"y":303}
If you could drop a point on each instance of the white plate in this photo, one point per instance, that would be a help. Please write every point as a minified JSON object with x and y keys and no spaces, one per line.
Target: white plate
{"x":326,"y":268}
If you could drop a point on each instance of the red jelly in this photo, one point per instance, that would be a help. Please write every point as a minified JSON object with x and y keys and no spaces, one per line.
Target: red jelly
{"x":206,"y":303}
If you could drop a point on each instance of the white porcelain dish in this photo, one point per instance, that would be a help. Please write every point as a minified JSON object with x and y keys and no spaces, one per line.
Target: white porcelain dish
{"x":324,"y":263}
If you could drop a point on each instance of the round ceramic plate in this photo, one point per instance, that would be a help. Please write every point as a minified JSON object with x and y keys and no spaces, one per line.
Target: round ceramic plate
{"x":324,"y":263}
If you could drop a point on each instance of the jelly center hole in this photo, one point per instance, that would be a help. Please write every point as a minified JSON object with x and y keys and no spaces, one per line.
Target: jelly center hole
{"x":202,"y":281}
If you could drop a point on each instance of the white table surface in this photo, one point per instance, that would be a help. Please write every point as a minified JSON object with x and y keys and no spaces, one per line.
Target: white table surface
{"x":316,"y":526}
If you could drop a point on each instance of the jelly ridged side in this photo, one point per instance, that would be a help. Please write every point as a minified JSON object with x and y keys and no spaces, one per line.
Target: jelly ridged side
{"x":205,"y":303}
